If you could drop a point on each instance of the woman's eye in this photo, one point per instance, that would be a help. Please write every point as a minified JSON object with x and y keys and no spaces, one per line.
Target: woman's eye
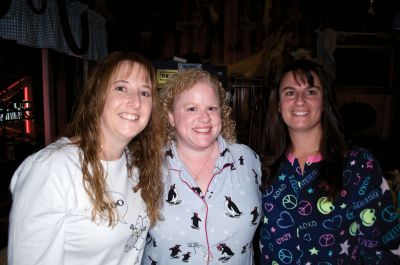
{"x":120,"y":88}
{"x":289,"y":93}
{"x":312,"y":92}
{"x":213,"y":108}
{"x":145,"y":93}
{"x":191,"y":109}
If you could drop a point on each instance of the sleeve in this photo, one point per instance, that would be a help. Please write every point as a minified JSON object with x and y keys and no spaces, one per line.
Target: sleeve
{"x":379,"y":237}
{"x":36,"y":231}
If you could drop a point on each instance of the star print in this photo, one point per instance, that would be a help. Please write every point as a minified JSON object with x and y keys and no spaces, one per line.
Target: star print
{"x":362,"y":166}
{"x":265,"y":220}
{"x":266,"y":257}
{"x":308,"y":263}
{"x":273,"y":229}
{"x":314,"y":251}
{"x":310,"y":191}
{"x":298,"y":247}
{"x":345,"y":248}
{"x":282,"y":177}
{"x":343,"y":205}
{"x":330,"y":253}
{"x":384,"y":186}
{"x":396,"y":251}
{"x":352,"y":163}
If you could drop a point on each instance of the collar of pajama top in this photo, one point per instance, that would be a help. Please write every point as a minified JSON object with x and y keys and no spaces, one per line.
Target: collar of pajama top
{"x":175,"y":164}
{"x":310,"y":159}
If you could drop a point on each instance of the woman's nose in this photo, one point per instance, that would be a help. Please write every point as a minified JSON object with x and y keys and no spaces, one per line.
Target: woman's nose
{"x":300,"y":99}
{"x":204,"y":116}
{"x":134,"y":101}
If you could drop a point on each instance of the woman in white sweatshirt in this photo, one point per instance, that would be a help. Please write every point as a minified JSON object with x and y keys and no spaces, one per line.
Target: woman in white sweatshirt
{"x":90,"y":197}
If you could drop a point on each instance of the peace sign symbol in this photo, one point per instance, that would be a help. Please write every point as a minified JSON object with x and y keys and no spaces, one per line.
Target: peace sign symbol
{"x":326,"y":240}
{"x":389,"y":214}
{"x":285,"y":256}
{"x":289,"y":202}
{"x":304,"y":208}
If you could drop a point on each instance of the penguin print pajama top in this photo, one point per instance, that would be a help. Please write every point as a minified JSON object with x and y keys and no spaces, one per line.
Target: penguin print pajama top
{"x":302,"y":226}
{"x":216,"y":227}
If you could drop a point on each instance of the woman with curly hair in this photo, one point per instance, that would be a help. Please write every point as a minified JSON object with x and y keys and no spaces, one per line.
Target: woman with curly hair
{"x":90,"y":197}
{"x":211,"y":184}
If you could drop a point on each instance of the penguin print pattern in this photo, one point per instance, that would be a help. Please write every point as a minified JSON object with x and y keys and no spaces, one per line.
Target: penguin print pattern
{"x":196,"y":221}
{"x":172,"y":196}
{"x":215,"y":226}
{"x":226,"y":252}
{"x":255,"y":215}
{"x":233,"y":210}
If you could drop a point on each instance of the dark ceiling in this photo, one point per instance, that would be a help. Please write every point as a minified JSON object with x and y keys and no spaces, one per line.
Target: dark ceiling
{"x":126,"y":18}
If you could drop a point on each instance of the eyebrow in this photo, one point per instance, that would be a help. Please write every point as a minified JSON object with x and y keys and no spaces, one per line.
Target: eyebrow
{"x":119,"y":81}
{"x":286,"y":88}
{"x":146,"y":85}
{"x":308,"y":87}
{"x":314,"y":86}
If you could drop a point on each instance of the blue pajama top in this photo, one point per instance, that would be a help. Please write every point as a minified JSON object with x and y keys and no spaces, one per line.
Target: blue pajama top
{"x":212,"y":228}
{"x":302,"y":226}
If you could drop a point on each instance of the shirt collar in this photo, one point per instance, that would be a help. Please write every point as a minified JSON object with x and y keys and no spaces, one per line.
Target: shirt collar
{"x":313,"y":158}
{"x":172,"y":157}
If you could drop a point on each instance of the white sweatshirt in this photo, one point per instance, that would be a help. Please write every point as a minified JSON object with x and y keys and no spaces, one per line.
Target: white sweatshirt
{"x":50,"y":220}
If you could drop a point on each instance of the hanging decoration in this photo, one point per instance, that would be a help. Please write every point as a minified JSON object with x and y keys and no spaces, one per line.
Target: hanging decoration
{"x":62,"y":11}
{"x":64,"y":25}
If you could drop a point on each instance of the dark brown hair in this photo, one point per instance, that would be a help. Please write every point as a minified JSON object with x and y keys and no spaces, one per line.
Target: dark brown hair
{"x":332,"y":144}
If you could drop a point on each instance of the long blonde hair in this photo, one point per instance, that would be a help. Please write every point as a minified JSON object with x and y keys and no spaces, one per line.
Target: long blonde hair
{"x":144,"y":151}
{"x":186,"y":79}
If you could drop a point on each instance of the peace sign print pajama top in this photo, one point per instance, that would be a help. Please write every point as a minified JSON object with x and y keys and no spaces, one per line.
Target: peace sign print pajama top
{"x":302,"y":226}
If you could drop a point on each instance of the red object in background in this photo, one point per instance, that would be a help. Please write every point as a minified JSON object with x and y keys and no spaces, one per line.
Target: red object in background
{"x":28,"y":113}
{"x":16,"y":110}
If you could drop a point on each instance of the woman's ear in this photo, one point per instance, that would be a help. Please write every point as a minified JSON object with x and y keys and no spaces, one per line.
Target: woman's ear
{"x":279,"y":107}
{"x":171,"y":119}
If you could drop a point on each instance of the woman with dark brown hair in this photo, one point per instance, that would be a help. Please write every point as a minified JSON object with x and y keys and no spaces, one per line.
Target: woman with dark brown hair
{"x":324,"y":202}
{"x":90,"y":197}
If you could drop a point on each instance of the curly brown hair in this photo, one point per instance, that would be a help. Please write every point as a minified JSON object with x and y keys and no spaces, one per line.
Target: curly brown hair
{"x":144,"y":151}
{"x":185,"y":80}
